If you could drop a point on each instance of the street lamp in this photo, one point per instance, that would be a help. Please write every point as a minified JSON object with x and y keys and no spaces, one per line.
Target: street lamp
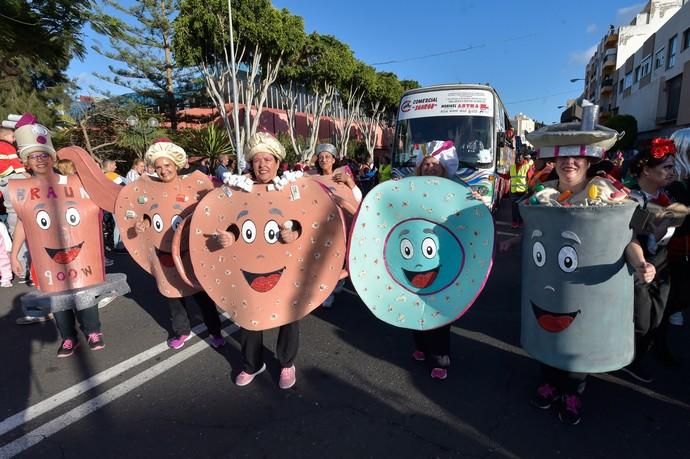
{"x":145,"y":131}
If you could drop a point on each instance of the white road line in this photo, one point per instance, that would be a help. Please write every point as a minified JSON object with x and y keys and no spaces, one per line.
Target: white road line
{"x":504,"y":233}
{"x":76,"y":390}
{"x":502,"y":223}
{"x":76,"y":414}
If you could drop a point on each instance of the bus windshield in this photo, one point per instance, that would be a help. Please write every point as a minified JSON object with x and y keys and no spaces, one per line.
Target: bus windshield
{"x":471,"y":135}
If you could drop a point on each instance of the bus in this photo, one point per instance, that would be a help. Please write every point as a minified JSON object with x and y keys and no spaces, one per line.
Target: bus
{"x":475,"y":119}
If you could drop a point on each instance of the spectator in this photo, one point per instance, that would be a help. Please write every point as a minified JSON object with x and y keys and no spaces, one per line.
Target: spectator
{"x":222,"y":168}
{"x":138,"y":168}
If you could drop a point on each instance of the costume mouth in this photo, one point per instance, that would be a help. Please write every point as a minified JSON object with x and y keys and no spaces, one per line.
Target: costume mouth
{"x":553,"y":322}
{"x":166,"y":258}
{"x":64,"y":256}
{"x":422,"y":279}
{"x":263,"y":282}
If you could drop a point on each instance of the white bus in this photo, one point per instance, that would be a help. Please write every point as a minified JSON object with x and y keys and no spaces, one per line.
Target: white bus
{"x":470,"y":115}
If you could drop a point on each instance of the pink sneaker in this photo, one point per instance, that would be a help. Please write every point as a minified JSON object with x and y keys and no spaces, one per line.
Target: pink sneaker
{"x":245,"y":378}
{"x":178,"y":341}
{"x":67,"y":347}
{"x":287,"y":378}
{"x":418,"y":356}
{"x":216,"y":341}
{"x":439,"y":373}
{"x":96,"y":341}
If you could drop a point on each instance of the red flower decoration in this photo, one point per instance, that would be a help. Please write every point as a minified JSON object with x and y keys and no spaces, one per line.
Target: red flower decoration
{"x":662,"y":147}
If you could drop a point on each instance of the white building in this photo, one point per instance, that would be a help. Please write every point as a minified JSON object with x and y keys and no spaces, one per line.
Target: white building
{"x":650,"y":84}
{"x":522,"y":124}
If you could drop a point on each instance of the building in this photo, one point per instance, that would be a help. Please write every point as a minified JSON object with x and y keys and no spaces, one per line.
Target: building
{"x":522,"y":124}
{"x":615,"y":48}
{"x":654,"y":80}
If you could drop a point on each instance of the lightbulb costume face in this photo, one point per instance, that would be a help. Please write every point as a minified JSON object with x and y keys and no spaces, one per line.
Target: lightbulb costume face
{"x":420,"y":251}
{"x":259,"y":280}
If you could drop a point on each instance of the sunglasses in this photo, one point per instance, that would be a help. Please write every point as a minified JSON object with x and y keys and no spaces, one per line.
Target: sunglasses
{"x":39,"y":156}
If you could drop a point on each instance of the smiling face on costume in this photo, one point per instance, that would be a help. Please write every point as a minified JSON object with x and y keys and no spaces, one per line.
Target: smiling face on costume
{"x":260,"y":280}
{"x":162,"y":204}
{"x":62,"y":228}
{"x":412,"y":255}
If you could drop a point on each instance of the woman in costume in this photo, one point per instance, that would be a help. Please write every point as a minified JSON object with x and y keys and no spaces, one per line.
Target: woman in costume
{"x":264,"y":153}
{"x":653,"y":168}
{"x":170,"y":196}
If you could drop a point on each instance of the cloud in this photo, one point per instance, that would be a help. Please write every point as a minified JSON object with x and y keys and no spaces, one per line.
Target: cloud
{"x":582,"y":57}
{"x":627,"y":13}
{"x":591,"y":28}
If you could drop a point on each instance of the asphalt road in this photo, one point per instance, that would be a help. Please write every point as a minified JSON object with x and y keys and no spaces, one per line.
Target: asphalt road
{"x":359,"y":394}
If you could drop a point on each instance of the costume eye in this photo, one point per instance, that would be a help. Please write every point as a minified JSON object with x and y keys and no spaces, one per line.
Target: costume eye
{"x":429,"y":248}
{"x":175,"y":222}
{"x":539,"y":254}
{"x":271,"y":232}
{"x":406,"y":249}
{"x":43,"y":219}
{"x":248,"y":231}
{"x":567,"y":259}
{"x":157,"y":222}
{"x":72,"y":216}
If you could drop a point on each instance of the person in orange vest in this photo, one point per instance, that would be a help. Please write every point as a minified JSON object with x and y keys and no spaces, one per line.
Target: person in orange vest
{"x":519,"y":176}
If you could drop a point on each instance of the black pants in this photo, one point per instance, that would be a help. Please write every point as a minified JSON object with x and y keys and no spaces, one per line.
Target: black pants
{"x":515,"y":199}
{"x":435,"y":344}
{"x":567,"y":382}
{"x":650,"y":302}
{"x":179,"y":314}
{"x":253,"y":347}
{"x":87,"y":318}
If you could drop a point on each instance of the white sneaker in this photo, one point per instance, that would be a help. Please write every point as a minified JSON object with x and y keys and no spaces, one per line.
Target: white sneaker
{"x":676,"y":319}
{"x":103,"y":302}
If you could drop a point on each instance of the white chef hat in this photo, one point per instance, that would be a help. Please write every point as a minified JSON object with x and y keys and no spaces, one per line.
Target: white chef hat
{"x":443,"y":150}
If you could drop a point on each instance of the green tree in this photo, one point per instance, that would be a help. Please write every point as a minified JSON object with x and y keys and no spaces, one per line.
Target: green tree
{"x":37,"y":40}
{"x":627,"y":124}
{"x":322,"y":66}
{"x":264,"y":38}
{"x":379,"y":107}
{"x":143,"y":47}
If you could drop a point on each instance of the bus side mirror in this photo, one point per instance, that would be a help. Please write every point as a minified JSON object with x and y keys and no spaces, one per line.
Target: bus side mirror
{"x":501,"y":139}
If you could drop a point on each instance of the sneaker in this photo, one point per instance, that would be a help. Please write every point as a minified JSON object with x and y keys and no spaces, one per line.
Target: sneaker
{"x":439,"y":373}
{"x":287,"y":378}
{"x":676,"y":319}
{"x":639,"y":371}
{"x":96,"y":341}
{"x":328,"y":302}
{"x":27,"y":320}
{"x":245,"y":378}
{"x":67,"y":347}
{"x":216,"y":341}
{"x":108,"y":262}
{"x":22,"y":280}
{"x":6,"y":284}
{"x":545,"y":397}
{"x":571,"y":409}
{"x":176,"y":342}
{"x":419,"y":356}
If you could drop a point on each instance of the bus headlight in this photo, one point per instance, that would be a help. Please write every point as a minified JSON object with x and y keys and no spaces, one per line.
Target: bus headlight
{"x":482,"y":190}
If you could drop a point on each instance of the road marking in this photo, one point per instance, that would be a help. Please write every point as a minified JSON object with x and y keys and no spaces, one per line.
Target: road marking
{"x":505,"y":233}
{"x":503,"y":223}
{"x":76,"y":390}
{"x":50,"y":428}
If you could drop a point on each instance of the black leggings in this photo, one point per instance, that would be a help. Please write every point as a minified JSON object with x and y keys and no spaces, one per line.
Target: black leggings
{"x":253,"y":347}
{"x":87,"y":318}
{"x":180,"y":317}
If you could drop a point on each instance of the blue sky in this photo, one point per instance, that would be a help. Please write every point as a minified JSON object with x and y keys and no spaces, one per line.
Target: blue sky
{"x":527,"y":50}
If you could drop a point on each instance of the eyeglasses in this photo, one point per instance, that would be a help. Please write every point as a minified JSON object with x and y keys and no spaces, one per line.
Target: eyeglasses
{"x":39,"y":156}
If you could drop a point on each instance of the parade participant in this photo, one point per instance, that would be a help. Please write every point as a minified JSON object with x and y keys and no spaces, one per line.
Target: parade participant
{"x":343,"y":188}
{"x":421,"y":251}
{"x":138,"y":168}
{"x":5,"y":249}
{"x":653,"y":168}
{"x":277,"y":255}
{"x":437,"y":159}
{"x":154,"y":208}
{"x":58,"y":222}
{"x":567,"y":268}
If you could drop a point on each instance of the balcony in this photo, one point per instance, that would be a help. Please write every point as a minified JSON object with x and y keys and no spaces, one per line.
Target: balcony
{"x":607,"y":86}
{"x":611,"y":40}
{"x":609,"y":61}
